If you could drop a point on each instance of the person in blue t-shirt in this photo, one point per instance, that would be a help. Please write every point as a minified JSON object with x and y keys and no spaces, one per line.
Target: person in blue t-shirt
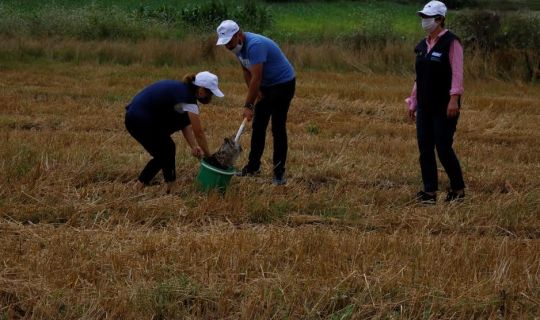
{"x":271,"y":82}
{"x":163,"y":108}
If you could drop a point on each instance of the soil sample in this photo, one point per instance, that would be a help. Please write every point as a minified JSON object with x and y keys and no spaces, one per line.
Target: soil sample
{"x":226,"y":156}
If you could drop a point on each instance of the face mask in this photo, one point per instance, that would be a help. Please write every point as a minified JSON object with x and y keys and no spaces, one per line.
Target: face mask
{"x":429,"y":24}
{"x":237,"y":49}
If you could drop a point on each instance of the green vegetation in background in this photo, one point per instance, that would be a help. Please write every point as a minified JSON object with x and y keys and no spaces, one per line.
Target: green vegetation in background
{"x":174,"y":19}
{"x":508,"y":4}
{"x":285,"y":21}
{"x":126,"y":5}
{"x":379,"y":32}
{"x":319,"y":20}
{"x":31,"y":5}
{"x":99,"y":20}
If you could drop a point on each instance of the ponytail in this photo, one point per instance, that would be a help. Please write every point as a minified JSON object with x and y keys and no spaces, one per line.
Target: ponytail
{"x":189,"y":78}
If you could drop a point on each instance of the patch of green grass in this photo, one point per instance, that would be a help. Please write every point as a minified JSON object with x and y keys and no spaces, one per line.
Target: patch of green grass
{"x":323,"y":19}
{"x":170,"y":298}
{"x":22,"y":161}
{"x":268,"y":212}
{"x":343,"y":314}
{"x":313,"y":128}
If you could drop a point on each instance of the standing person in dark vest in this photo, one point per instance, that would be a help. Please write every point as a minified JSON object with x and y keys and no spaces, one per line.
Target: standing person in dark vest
{"x":435,"y":103}
{"x":270,"y":79}
{"x":163,"y":108}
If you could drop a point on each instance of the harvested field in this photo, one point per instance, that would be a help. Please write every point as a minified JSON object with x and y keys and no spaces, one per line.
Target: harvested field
{"x":342,"y":240}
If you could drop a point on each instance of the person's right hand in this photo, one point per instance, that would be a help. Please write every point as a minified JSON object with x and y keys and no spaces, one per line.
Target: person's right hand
{"x":248,"y":114}
{"x":412,"y":115}
{"x":197,"y":152}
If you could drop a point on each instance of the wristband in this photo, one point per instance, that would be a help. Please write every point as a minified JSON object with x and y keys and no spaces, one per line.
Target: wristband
{"x":249,"y":105}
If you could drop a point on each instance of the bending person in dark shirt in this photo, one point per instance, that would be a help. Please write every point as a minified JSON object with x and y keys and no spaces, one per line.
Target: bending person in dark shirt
{"x":163,"y":108}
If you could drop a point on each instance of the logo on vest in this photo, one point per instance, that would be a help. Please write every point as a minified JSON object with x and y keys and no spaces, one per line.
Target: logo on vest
{"x":436,"y":56}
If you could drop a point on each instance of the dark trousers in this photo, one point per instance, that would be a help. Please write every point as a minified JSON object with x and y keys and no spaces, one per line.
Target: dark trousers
{"x":436,"y":131}
{"x":274,"y":104}
{"x":160,"y":146}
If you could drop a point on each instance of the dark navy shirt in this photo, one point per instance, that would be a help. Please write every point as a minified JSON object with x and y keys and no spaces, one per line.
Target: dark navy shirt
{"x":155,"y":105}
{"x":160,"y":98}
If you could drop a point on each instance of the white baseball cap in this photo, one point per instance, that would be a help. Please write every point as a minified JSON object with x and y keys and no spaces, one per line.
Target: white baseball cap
{"x":209,"y":81}
{"x":433,"y":8}
{"x":226,"y":31}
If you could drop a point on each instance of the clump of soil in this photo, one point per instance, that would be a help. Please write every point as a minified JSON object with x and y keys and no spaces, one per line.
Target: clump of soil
{"x":226,"y":155}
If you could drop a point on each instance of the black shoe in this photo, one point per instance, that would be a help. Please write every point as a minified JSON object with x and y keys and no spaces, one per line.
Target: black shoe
{"x":426,"y":198}
{"x":279,"y":180}
{"x":248,"y":172}
{"x":453,"y":196}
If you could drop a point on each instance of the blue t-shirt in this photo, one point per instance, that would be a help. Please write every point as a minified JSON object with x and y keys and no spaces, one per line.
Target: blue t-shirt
{"x":259,"y":49}
{"x":155,"y":104}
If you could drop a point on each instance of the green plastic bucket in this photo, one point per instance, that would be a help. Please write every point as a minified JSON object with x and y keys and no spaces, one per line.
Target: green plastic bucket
{"x":210,"y":177}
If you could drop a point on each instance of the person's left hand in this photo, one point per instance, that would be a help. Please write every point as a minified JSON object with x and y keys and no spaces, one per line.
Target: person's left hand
{"x":453,"y":109}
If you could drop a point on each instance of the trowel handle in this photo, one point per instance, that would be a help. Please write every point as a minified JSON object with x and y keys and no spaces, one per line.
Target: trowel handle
{"x":240,"y":130}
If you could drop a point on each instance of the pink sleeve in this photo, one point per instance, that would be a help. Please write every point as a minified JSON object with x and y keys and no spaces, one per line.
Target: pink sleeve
{"x":456,"y":62}
{"x":411,"y":101}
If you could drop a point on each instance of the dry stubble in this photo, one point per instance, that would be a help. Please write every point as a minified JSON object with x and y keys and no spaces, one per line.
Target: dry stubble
{"x":342,"y":239}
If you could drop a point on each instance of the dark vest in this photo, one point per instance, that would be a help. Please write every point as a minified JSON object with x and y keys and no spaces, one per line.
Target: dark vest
{"x":434,"y":73}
